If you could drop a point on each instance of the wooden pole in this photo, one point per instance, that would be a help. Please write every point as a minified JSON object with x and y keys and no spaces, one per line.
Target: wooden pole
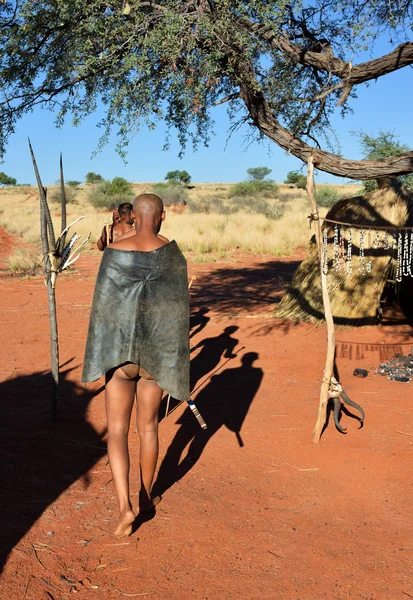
{"x":329,"y":365}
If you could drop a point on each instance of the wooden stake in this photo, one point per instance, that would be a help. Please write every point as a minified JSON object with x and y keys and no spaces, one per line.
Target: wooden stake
{"x":329,"y":365}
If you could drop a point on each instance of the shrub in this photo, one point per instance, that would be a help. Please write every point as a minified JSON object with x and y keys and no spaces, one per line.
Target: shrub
{"x":178,"y":177}
{"x":259,"y":206}
{"x":263,"y":189}
{"x":326,"y":196}
{"x":23,"y":260}
{"x":73,"y":183}
{"x":103,"y":196}
{"x":210,"y":204}
{"x":171,"y":193}
{"x":54,"y":194}
{"x":93,"y":177}
{"x":258,"y":173}
{"x":297,"y":179}
{"x":119,"y":185}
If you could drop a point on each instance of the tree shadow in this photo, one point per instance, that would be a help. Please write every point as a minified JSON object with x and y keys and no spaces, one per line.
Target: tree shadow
{"x":224,"y":402}
{"x":40,"y":460}
{"x":246,"y":289}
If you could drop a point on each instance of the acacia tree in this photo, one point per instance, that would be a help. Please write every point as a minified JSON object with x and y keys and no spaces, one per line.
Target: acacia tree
{"x":282,"y":66}
{"x":386,"y":143}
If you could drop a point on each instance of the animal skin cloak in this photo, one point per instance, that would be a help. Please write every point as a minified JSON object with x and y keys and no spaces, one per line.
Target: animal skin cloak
{"x":140,"y":314}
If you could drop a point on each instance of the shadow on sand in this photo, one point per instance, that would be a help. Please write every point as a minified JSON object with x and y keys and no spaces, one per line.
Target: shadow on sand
{"x":224,"y":402}
{"x":40,"y":460}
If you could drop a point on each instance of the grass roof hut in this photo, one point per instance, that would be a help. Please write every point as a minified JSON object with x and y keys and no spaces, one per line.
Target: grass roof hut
{"x":355,"y":298}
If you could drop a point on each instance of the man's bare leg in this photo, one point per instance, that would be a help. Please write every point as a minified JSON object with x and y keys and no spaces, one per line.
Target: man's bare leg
{"x":149,"y":396}
{"x":119,"y":396}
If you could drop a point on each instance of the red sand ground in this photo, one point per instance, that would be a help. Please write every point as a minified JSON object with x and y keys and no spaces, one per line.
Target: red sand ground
{"x":278,"y":517}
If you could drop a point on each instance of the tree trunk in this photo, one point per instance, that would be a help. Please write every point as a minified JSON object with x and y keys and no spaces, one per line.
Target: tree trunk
{"x":328,"y":369}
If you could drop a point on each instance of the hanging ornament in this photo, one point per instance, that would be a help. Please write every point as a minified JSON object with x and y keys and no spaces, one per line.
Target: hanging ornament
{"x":325,"y":250}
{"x":369,"y":263}
{"x":342,"y":257}
{"x":411,"y":255}
{"x":336,"y":247}
{"x":399,"y":260}
{"x":362,"y":259}
{"x":349,"y":252}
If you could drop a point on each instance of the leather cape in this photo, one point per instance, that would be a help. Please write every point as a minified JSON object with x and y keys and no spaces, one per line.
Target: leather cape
{"x":140,"y":314}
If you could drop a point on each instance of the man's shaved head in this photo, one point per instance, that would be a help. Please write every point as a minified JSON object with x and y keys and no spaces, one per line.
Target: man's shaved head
{"x":148,"y":205}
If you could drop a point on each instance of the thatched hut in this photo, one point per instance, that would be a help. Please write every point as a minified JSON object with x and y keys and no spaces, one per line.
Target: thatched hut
{"x":355,"y":298}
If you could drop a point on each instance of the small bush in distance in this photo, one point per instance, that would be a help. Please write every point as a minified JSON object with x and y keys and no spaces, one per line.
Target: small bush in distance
{"x":119,"y":185}
{"x":93,"y":177}
{"x":73,"y":183}
{"x":297,"y":179}
{"x":106,"y":195}
{"x":326,"y":196}
{"x":171,"y":193}
{"x":210,"y":204}
{"x":263,"y":189}
{"x":23,"y":260}
{"x":258,"y":173}
{"x":70,"y":193}
{"x":178,"y":177}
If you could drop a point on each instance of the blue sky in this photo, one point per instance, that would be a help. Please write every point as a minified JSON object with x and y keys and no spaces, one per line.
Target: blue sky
{"x":385,"y":105}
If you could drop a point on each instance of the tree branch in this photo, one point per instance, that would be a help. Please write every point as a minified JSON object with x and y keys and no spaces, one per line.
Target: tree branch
{"x":269,"y":126}
{"x":400,"y":57}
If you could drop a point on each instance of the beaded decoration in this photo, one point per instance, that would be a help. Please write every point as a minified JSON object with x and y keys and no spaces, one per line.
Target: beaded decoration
{"x":362,"y":259}
{"x":325,"y":250}
{"x":399,"y":257}
{"x":349,"y":266}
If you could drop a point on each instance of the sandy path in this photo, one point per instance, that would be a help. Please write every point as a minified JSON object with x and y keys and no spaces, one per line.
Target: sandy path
{"x":277,"y":517}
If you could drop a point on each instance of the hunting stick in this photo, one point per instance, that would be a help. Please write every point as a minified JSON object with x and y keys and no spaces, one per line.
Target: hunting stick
{"x":329,"y":364}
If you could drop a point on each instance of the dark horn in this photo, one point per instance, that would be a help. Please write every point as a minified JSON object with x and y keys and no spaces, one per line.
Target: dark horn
{"x":347,"y":400}
{"x":337,"y":407}
{"x":43,"y":200}
{"x":64,"y":202}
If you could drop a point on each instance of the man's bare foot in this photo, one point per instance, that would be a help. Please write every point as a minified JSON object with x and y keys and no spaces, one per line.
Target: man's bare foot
{"x":145,"y":507}
{"x":124,"y":527}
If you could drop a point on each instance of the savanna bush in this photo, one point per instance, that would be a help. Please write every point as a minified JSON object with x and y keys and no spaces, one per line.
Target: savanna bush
{"x":259,"y":206}
{"x":23,"y":260}
{"x":70,"y":192}
{"x":171,"y":193}
{"x":326,"y":196}
{"x":107,"y":195}
{"x":210,"y":204}
{"x":263,"y":189}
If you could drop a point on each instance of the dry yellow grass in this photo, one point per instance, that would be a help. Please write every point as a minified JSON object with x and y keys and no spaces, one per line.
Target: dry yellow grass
{"x":198,"y":233}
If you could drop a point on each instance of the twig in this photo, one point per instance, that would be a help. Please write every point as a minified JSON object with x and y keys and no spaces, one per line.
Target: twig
{"x":303,"y":468}
{"x":52,"y":586}
{"x":27,"y":587}
{"x":37,"y":558}
{"x":132,"y":595}
{"x":404,"y":433}
{"x":173,"y":562}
